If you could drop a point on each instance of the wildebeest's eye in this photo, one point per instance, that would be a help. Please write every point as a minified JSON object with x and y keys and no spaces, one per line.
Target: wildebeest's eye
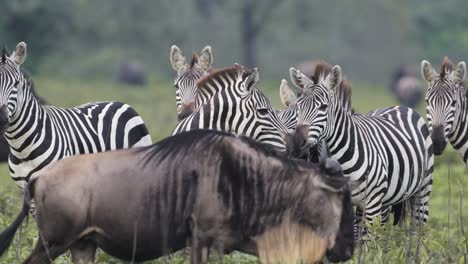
{"x":262,"y":111}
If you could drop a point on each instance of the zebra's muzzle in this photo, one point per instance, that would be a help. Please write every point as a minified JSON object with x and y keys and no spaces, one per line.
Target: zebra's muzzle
{"x":438,"y":140}
{"x":297,"y":143}
{"x":186,"y":110}
{"x":4,"y":122}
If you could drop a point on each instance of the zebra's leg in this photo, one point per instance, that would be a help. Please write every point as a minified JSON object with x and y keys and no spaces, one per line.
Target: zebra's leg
{"x":385,"y":214}
{"x":359,"y":226}
{"x":420,"y":204}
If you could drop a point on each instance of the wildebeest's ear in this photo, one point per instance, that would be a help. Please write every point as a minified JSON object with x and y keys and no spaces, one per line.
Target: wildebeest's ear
{"x":19,"y":55}
{"x":206,"y":58}
{"x":286,"y":94}
{"x":458,"y":75}
{"x":177,"y":60}
{"x":299,"y":79}
{"x":334,"y":78}
{"x":427,"y":71}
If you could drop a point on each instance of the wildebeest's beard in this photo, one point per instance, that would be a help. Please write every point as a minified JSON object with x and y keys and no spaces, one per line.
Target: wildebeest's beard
{"x":439,"y":140}
{"x":344,"y":244}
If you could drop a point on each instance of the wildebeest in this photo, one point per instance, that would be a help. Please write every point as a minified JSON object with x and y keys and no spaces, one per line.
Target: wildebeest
{"x":132,"y":73}
{"x":205,"y":189}
{"x":406,"y":86}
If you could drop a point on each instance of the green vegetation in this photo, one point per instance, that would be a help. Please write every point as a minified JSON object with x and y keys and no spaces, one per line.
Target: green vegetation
{"x":444,"y":241}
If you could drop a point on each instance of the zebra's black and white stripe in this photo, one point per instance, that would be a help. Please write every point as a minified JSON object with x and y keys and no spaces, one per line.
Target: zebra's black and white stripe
{"x":187,"y":77}
{"x":447,"y":106}
{"x":39,"y":134}
{"x":387,"y":153}
{"x":234,"y":104}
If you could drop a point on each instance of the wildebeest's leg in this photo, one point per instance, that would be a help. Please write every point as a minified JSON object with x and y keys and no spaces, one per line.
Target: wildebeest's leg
{"x":83,"y":251}
{"x":41,"y":255}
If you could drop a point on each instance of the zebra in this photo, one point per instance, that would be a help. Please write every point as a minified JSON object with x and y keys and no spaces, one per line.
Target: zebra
{"x":187,"y":77}
{"x":234,"y":104}
{"x":39,"y":134}
{"x":447,"y":106}
{"x":387,"y":153}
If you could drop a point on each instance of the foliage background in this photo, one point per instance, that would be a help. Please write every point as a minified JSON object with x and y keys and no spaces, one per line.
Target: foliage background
{"x":76,"y":47}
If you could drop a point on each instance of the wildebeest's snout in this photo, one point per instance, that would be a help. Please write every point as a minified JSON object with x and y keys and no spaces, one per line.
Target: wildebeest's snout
{"x":4,"y":122}
{"x":438,"y":139}
{"x":186,"y":110}
{"x":296,"y":143}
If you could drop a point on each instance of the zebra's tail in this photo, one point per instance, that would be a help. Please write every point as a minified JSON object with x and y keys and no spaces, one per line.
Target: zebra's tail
{"x":6,"y":237}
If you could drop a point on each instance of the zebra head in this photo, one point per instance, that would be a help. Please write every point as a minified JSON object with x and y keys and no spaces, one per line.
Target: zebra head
{"x":11,"y":81}
{"x":187,"y":77}
{"x":313,"y":111}
{"x":443,"y":97}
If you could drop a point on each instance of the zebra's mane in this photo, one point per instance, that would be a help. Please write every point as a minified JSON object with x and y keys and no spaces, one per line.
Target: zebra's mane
{"x":446,"y":67}
{"x":194,"y":60}
{"x":32,"y":86}
{"x":5,"y":53}
{"x":229,"y":71}
{"x":342,"y":92}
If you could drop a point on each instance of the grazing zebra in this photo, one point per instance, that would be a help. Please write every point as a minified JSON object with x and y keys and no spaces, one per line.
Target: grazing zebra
{"x":187,"y":77}
{"x":234,"y":104}
{"x":386,"y":153}
{"x":447,"y":106}
{"x":39,"y":134}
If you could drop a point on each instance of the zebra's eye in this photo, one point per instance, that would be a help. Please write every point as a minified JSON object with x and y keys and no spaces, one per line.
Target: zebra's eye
{"x":262,"y":111}
{"x":16,"y":84}
{"x":176,"y":85}
{"x":453,"y":103}
{"x":323,"y":107}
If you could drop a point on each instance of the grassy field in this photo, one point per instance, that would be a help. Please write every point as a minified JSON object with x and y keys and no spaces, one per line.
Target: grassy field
{"x":444,"y":239}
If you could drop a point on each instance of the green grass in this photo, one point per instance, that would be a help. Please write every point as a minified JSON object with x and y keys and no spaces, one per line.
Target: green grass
{"x":444,"y":240}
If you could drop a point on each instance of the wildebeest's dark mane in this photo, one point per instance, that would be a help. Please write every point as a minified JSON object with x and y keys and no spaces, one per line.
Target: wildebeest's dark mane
{"x":181,"y":144}
{"x":446,"y":67}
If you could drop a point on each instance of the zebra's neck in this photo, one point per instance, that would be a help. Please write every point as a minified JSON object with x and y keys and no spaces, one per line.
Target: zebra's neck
{"x":344,"y":137}
{"x":27,"y":120}
{"x":459,"y":137}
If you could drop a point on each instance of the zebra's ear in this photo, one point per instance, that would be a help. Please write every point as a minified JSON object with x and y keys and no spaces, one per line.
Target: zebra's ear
{"x":177,"y":60}
{"x":252,"y":79}
{"x":299,"y":79}
{"x":19,"y":55}
{"x":334,"y":78}
{"x":458,"y":75}
{"x":427,"y":71}
{"x":286,"y":94}
{"x":206,"y":58}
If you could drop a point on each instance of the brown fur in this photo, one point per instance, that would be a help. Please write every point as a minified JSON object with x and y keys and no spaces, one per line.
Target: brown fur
{"x":194,"y":60}
{"x":215,"y":73}
{"x":4,"y":54}
{"x":291,"y":243}
{"x":343,"y":91}
{"x":322,"y":68}
{"x":446,"y":67}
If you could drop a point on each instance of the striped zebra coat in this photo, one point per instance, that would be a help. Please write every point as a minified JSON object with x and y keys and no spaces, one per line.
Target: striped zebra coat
{"x":447,"y":106}
{"x":187,"y":77}
{"x":229,"y":101}
{"x":386,"y":153}
{"x":39,"y":134}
